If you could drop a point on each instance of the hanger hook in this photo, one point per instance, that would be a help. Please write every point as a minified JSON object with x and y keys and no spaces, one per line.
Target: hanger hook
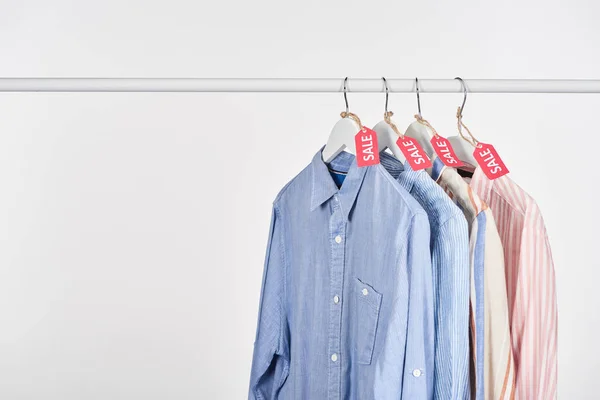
{"x":387,"y":93}
{"x":462,"y":107}
{"x":418,"y":97}
{"x":345,"y":96}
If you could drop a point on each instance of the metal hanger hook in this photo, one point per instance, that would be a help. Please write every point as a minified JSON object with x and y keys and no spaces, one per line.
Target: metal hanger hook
{"x":462,"y":107}
{"x":418,"y":97}
{"x":387,"y":94}
{"x":345,"y":96}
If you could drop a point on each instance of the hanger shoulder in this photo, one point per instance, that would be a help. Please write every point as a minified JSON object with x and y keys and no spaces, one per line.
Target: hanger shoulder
{"x":387,"y":138}
{"x":463,"y":149}
{"x":341,"y":137}
{"x":421,"y":134}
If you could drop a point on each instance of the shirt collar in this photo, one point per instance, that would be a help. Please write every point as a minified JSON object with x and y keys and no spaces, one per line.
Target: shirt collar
{"x":479,"y":182}
{"x":402,"y":173}
{"x":391,"y":164}
{"x":437,"y":169}
{"x":395,"y":167}
{"x":323,"y":186}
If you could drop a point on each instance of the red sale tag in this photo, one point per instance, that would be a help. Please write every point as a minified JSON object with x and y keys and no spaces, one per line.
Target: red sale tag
{"x":367,"y":151}
{"x":489,"y":161}
{"x":445,"y":152}
{"x":414,"y":153}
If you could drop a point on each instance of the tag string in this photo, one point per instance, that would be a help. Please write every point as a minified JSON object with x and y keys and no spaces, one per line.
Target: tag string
{"x":387,"y":117}
{"x":423,"y":121}
{"x":459,"y":122}
{"x":352,"y":116}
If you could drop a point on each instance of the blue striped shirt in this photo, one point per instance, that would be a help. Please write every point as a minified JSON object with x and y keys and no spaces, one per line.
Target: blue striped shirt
{"x":346,"y":308}
{"x":474,"y":211}
{"x":451,"y":269}
{"x":478,"y":277}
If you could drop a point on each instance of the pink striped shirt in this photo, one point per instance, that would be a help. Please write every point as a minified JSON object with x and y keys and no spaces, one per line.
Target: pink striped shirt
{"x":530,"y":283}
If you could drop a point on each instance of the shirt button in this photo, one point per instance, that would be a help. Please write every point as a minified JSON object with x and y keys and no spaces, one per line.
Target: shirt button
{"x":365,"y":292}
{"x":417,"y":373}
{"x":336,"y":299}
{"x":334,"y":357}
{"x":338,"y":239}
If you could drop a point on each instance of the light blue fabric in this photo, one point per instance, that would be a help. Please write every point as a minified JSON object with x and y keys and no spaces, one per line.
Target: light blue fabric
{"x":451,"y":285}
{"x":478,"y":283}
{"x":478,"y":263}
{"x":368,"y":244}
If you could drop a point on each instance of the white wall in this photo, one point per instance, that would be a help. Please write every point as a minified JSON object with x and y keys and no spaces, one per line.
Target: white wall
{"x":133,"y":226}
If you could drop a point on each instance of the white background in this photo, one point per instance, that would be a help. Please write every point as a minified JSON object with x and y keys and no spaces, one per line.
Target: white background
{"x":133,"y":226}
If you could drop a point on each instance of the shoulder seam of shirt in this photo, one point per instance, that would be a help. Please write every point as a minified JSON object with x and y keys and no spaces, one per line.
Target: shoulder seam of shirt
{"x":415,"y":209}
{"x":509,"y":183}
{"x":409,"y":226}
{"x":538,"y":222}
{"x":287,"y":185}
{"x":418,"y":213}
{"x":455,"y":215}
{"x":522,"y":211}
{"x":404,"y":239}
{"x":455,"y":211}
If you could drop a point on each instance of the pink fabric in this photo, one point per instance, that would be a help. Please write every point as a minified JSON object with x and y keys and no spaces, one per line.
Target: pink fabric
{"x":530,"y":283}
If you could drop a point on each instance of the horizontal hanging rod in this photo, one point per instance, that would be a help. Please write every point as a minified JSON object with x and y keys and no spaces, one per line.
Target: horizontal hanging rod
{"x":307,"y":85}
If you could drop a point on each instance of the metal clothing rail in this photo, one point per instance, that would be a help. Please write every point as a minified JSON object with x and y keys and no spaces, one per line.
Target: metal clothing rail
{"x":307,"y":85}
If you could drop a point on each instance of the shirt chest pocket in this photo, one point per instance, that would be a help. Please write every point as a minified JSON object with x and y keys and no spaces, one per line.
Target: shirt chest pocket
{"x":367,"y":302}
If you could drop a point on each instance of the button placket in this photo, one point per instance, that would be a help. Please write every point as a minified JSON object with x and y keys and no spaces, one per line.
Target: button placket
{"x":337,"y":226}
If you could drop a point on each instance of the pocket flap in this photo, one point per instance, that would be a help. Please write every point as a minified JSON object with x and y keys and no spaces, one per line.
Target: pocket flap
{"x":366,"y":293}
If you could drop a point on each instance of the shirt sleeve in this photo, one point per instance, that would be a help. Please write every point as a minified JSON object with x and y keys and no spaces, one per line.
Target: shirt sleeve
{"x":418,"y":359}
{"x":452,"y":289}
{"x":534,"y":328}
{"x":270,"y":362}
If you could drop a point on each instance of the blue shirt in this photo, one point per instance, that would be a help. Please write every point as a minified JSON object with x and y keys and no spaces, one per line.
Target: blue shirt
{"x":346,"y":308}
{"x":473,"y":209}
{"x":451,"y":284}
{"x":478,"y":271}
